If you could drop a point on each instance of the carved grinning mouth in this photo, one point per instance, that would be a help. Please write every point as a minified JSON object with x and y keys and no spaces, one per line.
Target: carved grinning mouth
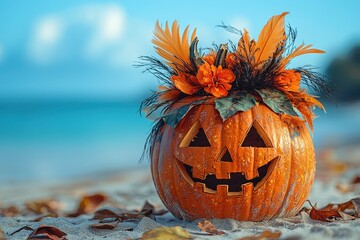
{"x":234,"y":183}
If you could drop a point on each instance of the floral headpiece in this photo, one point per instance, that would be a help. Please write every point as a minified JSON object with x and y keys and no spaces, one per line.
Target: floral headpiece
{"x":234,"y":78}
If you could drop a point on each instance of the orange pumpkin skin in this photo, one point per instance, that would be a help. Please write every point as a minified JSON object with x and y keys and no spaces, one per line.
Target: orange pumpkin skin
{"x":281,"y":193}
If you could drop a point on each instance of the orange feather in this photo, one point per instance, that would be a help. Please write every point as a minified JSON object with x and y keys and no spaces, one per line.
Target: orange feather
{"x":270,"y":36}
{"x":304,"y":102}
{"x":173,"y":48}
{"x":302,"y":49}
{"x":244,"y":44}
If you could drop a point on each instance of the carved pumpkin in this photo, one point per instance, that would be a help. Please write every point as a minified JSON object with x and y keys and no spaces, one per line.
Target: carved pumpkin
{"x":230,"y":139}
{"x":249,"y":167}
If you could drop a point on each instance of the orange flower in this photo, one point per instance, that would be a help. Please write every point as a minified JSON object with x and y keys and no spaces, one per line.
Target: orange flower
{"x":231,"y":60}
{"x":288,"y":80}
{"x":210,"y":58}
{"x":186,"y":83}
{"x":215,"y":80}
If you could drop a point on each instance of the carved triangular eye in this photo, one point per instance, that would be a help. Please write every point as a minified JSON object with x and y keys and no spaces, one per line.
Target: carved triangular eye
{"x":200,"y":139}
{"x":256,"y":137}
{"x":196,"y":137}
{"x":226,"y":156}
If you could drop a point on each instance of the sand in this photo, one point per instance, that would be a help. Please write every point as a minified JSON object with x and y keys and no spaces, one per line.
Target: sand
{"x":133,"y":187}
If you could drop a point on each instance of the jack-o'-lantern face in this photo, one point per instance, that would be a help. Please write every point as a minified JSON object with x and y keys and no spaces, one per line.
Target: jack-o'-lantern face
{"x":234,"y":180}
{"x":249,"y":167}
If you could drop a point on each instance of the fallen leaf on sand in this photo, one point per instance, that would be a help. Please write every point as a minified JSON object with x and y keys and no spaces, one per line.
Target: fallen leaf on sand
{"x":265,"y":235}
{"x":44,"y":206}
{"x":106,"y":224}
{"x":168,"y":233}
{"x":22,"y":228}
{"x":147,"y":210}
{"x":89,"y":204}
{"x":324,"y":215}
{"x":356,"y":180}
{"x":2,"y":234}
{"x":107,"y":212}
{"x":345,"y":211}
{"x":109,"y":216}
{"x":10,"y":211}
{"x":207,"y":226}
{"x":148,"y":206}
{"x":351,"y":207}
{"x":47,"y":232}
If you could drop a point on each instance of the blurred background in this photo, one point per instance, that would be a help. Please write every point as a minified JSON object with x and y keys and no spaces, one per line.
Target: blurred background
{"x":69,"y":94}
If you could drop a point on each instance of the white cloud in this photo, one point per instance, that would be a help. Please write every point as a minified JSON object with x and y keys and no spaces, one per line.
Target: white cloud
{"x":47,"y":34}
{"x":137,"y":43}
{"x":108,"y":23}
{"x":48,"y":31}
{"x":88,"y":33}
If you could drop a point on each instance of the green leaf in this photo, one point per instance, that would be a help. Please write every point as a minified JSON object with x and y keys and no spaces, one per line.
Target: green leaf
{"x":277,"y":101}
{"x":228,"y":106}
{"x":173,"y":117}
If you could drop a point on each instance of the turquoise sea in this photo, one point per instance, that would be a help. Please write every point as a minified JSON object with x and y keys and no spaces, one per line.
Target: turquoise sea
{"x":55,"y":140}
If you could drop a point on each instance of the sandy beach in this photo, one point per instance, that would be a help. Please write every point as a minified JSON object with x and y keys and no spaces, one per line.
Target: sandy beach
{"x":129,"y":190}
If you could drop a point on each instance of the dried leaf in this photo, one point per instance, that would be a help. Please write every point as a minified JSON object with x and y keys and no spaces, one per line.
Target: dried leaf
{"x":168,"y":233}
{"x":89,"y":204}
{"x":356,"y":203}
{"x":208,"y":227}
{"x":20,"y":229}
{"x":276,"y":101}
{"x":161,"y":211}
{"x":147,"y":210}
{"x":135,"y":215}
{"x":45,"y":206}
{"x":47,"y":232}
{"x":107,"y":212}
{"x":106,"y":224}
{"x":265,"y":235}
{"x":10,"y":211}
{"x":346,"y":216}
{"x":228,"y":106}
{"x":346,"y":211}
{"x":326,"y":214}
{"x":149,"y":207}
{"x":356,"y":180}
{"x":351,"y":207}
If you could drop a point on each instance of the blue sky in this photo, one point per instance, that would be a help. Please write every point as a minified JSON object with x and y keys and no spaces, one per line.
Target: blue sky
{"x":86,"y":49}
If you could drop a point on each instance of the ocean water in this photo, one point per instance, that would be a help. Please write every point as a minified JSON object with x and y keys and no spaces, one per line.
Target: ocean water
{"x":57,"y":140}
{"x":60,"y":140}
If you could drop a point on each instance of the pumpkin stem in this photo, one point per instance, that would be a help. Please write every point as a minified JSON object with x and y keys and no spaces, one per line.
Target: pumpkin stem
{"x":195,"y":57}
{"x":221,"y":55}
